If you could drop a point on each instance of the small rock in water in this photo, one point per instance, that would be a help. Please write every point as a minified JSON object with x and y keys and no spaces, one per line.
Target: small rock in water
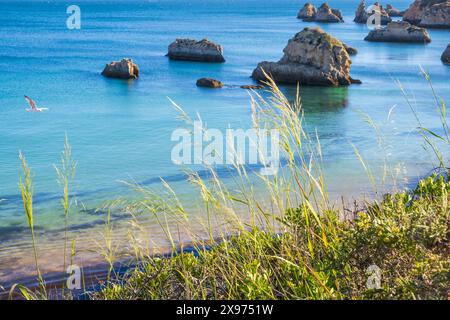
{"x":446,"y":56}
{"x":252,"y":86}
{"x":123,"y":69}
{"x":192,"y":50}
{"x":209,"y":83}
{"x":401,"y":31}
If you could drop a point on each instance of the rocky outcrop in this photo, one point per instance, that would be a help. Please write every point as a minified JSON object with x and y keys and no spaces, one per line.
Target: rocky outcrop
{"x":311,"y":57}
{"x":307,"y":13}
{"x":436,"y":16}
{"x":361,"y":14}
{"x":326,"y":14}
{"x":350,"y":50}
{"x":323,"y":14}
{"x":429,"y":13}
{"x":209,"y":83}
{"x":446,"y":56}
{"x":123,"y":69}
{"x":393,"y":12}
{"x":192,"y":50}
{"x":399,"y":32}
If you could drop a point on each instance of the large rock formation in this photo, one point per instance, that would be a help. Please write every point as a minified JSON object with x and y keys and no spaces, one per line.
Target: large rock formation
{"x":192,"y":50}
{"x":311,"y":57}
{"x":361,"y":14}
{"x":446,"y":55}
{"x":307,"y":13}
{"x":323,"y":14}
{"x":209,"y":83}
{"x":401,"y":31}
{"x":123,"y":69}
{"x":429,"y":13}
{"x":393,"y":12}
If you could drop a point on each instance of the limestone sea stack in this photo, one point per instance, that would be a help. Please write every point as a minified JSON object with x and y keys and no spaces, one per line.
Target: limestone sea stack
{"x":192,"y":50}
{"x":326,"y":14}
{"x":209,"y":83}
{"x":399,"y":32}
{"x":123,"y":69}
{"x":429,"y":13}
{"x":361,"y":14}
{"x":311,"y":57}
{"x":446,"y":56}
{"x":393,"y":12}
{"x":323,"y":14}
{"x":307,"y":13}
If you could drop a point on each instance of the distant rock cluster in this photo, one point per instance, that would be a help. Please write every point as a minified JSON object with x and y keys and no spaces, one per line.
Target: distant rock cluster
{"x":312,"y":56}
{"x":324,"y":14}
{"x":363,"y":13}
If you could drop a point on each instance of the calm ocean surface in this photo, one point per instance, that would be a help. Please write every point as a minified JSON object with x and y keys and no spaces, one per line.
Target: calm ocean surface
{"x":121,"y":130}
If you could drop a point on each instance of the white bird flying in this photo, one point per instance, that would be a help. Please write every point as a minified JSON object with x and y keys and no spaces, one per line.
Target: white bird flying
{"x":34,"y":107}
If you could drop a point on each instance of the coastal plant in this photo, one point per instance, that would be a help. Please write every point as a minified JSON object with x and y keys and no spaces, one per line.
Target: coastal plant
{"x":434,"y":140}
{"x":65,"y":173}
{"x":26,"y":190}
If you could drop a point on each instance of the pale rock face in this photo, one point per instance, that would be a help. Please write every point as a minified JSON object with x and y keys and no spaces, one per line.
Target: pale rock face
{"x":429,"y":13}
{"x":446,"y":56}
{"x":326,"y":14}
{"x":192,"y":50}
{"x":361,"y":14}
{"x":307,"y":13}
{"x":399,"y":32}
{"x":311,"y":57}
{"x":124,"y":69}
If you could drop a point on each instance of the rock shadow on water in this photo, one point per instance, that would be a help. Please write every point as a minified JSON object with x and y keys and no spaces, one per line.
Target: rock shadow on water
{"x":319,"y":99}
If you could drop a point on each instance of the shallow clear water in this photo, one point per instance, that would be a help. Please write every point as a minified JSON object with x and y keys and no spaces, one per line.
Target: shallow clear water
{"x":120,"y":130}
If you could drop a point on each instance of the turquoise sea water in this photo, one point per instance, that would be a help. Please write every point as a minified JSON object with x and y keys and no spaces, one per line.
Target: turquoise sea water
{"x":120,"y":130}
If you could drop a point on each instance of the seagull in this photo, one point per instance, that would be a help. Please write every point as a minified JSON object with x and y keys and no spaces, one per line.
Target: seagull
{"x":34,"y":107}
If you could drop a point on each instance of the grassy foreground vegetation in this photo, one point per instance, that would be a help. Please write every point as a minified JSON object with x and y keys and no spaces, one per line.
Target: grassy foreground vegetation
{"x":406,"y":235}
{"x":293,"y":245}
